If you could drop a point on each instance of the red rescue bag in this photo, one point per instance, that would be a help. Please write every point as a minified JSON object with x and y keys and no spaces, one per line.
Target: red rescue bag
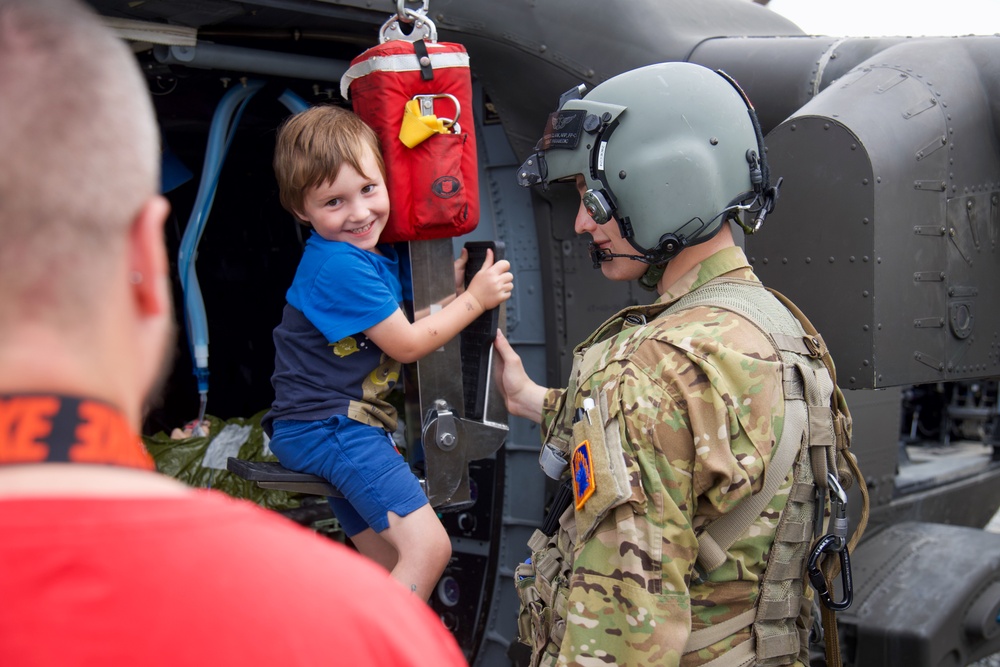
{"x":434,"y":186}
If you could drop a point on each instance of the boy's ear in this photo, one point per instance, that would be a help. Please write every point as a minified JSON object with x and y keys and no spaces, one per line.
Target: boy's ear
{"x":299,"y":217}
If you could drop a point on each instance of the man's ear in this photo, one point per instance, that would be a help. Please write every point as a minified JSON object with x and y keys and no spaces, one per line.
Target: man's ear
{"x":148,"y":265}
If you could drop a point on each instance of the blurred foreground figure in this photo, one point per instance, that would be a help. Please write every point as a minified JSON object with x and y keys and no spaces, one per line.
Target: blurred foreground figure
{"x":102,"y":560}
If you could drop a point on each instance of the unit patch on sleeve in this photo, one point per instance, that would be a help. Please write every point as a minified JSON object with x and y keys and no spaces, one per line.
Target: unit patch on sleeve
{"x":583,"y":474}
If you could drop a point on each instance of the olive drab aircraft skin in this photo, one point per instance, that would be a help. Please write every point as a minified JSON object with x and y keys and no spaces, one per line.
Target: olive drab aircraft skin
{"x":885,"y":234}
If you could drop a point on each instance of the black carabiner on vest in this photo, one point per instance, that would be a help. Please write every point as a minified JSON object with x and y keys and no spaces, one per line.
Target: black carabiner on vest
{"x":830,"y":543}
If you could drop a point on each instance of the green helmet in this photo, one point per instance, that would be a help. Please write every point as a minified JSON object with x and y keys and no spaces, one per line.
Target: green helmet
{"x":671,"y":151}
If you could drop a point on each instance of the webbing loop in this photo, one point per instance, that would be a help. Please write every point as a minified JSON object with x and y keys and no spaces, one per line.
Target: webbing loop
{"x":705,"y":637}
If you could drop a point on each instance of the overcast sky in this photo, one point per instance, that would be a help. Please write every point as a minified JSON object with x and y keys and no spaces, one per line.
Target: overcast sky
{"x":877,"y":18}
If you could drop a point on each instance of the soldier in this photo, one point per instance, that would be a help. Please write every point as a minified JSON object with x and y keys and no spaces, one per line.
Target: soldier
{"x":675,"y":411}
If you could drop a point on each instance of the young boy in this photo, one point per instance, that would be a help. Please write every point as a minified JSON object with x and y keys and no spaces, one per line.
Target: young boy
{"x":343,"y":336}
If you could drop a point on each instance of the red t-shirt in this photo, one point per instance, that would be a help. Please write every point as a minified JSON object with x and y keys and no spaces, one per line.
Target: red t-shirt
{"x":197,"y":580}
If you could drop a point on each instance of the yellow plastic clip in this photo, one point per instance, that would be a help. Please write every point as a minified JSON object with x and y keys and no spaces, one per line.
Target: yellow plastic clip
{"x":420,"y":123}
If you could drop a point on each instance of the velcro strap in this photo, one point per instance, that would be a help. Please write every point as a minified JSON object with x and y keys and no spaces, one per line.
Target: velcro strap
{"x":567,"y":522}
{"x":543,"y":590}
{"x":794,"y":531}
{"x":817,"y":459}
{"x":773,"y":610}
{"x":790,"y":571}
{"x":792,"y":381}
{"x":424,"y":60}
{"x":537,"y":540}
{"x":547,"y":566}
{"x":796,"y":344}
{"x":802,"y":493}
{"x":711,"y":556}
{"x":842,"y":430}
{"x":777,"y":645}
{"x":821,"y":432}
{"x":741,"y":655}
{"x":705,"y":637}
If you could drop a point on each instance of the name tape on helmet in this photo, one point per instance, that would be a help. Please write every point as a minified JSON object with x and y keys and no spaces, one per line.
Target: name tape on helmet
{"x":562,"y":130}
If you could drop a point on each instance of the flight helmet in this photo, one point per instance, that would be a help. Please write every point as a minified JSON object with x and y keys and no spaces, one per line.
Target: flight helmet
{"x":671,"y":151}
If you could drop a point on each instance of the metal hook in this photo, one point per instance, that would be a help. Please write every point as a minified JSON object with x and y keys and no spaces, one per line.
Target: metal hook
{"x":827,"y":545}
{"x":837,"y":492}
{"x":423,"y":28}
{"x":407,"y":15}
{"x":839,"y":523}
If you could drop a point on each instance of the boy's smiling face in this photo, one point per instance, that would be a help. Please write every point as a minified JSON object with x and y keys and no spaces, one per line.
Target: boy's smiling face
{"x":353,"y":208}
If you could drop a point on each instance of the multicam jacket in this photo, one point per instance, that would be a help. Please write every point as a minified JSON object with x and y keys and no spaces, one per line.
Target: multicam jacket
{"x":693,"y":409}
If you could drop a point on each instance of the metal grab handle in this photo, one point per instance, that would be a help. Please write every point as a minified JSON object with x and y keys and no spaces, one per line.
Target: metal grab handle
{"x":427,"y":106}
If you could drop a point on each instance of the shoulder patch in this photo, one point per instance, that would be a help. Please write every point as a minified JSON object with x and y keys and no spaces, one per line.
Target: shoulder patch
{"x":583,"y":474}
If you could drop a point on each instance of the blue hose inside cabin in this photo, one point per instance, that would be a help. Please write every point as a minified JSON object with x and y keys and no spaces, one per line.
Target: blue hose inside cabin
{"x":224,"y":122}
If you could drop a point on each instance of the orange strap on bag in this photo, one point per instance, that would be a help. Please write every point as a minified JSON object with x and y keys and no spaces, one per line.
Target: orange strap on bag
{"x":417,"y":92}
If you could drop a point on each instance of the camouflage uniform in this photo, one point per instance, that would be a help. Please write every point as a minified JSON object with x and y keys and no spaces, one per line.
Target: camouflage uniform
{"x":694,"y":406}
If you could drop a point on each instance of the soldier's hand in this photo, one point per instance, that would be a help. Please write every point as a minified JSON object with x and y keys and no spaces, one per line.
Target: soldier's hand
{"x":522,"y":396}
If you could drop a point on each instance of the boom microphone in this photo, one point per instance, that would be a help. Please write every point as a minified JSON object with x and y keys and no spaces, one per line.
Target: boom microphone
{"x":600,"y":255}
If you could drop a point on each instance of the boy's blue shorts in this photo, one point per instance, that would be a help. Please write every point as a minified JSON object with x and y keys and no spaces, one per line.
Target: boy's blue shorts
{"x":360,"y":460}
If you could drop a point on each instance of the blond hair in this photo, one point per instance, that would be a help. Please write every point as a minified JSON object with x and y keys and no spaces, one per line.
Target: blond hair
{"x":313,"y":145}
{"x":80,"y":157}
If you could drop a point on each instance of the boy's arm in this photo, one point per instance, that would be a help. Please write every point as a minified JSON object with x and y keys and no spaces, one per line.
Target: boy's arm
{"x":407,"y":342}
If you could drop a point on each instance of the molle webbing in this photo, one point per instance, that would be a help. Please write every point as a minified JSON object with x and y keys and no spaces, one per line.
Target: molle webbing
{"x":543,"y":589}
{"x":782,"y":611}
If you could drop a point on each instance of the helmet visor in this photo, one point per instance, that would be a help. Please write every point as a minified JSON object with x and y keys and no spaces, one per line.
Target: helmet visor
{"x":570,"y":144}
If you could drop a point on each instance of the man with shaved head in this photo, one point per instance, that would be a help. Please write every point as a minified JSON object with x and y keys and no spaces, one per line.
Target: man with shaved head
{"x":103,"y":560}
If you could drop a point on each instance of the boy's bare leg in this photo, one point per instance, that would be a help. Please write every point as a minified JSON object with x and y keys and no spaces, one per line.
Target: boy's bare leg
{"x":423,"y":546}
{"x":374,"y":546}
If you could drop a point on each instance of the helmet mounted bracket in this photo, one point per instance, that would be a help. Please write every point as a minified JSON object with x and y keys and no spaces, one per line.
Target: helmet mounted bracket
{"x":760,"y":176}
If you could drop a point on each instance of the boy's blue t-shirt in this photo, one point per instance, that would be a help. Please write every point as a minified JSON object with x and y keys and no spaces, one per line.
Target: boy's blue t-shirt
{"x":323,"y":364}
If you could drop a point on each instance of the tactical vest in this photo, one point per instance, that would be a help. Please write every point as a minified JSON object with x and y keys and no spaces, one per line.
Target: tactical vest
{"x":813,"y":442}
